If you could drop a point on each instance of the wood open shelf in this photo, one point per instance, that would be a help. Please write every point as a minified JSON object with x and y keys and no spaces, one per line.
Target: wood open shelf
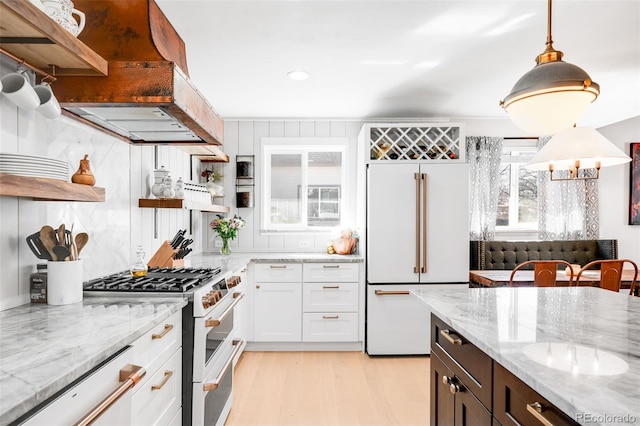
{"x":48,"y":189}
{"x":29,"y":34}
{"x":178,"y":203}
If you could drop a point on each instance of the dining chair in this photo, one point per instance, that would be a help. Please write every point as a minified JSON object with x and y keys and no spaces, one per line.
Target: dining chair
{"x":610,"y":273}
{"x":544,"y":272}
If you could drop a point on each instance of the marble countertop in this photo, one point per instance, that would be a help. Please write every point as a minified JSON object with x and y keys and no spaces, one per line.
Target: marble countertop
{"x":43,"y":348}
{"x":579,"y":347}
{"x":235,"y":260}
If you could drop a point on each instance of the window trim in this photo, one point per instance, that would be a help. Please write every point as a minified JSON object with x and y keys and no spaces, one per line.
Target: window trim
{"x":517,"y":144}
{"x":270,"y":145}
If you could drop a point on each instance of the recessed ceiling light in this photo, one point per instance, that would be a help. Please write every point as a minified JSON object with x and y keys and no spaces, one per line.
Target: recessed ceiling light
{"x":298,"y":75}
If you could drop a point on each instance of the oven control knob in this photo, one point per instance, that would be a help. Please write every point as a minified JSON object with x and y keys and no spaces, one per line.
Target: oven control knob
{"x":205,"y":302}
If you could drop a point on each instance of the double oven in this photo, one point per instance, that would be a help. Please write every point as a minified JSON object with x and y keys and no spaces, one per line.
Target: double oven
{"x":209,"y":345}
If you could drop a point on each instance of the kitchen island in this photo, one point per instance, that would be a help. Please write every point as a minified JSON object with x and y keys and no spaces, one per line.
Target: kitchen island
{"x":44,"y":348}
{"x":579,"y":348}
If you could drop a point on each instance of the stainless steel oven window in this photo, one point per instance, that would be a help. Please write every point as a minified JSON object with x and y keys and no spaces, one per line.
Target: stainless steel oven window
{"x":216,"y":337}
{"x":216,"y":400}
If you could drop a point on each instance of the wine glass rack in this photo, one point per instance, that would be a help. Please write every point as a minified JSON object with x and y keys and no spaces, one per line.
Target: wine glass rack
{"x":416,"y":142}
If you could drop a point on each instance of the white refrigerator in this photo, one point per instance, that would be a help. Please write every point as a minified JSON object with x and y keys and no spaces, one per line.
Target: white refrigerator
{"x":417,"y":235}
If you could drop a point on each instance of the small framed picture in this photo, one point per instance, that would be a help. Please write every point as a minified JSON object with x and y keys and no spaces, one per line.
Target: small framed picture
{"x":634,"y":195}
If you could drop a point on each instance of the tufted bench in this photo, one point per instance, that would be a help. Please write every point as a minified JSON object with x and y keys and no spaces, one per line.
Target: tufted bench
{"x":507,"y":254}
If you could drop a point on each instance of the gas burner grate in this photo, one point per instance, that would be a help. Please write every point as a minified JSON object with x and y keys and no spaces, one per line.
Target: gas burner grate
{"x":162,"y":280}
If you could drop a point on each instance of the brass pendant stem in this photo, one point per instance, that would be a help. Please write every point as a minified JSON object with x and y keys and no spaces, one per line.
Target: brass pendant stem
{"x":550,"y":54}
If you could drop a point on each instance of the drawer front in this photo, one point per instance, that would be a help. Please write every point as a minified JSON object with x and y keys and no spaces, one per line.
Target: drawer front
{"x":397,"y":322}
{"x":471,"y":365}
{"x":330,"y":297}
{"x":330,"y":327}
{"x":76,"y":402}
{"x":511,"y":397}
{"x":158,"y":400}
{"x":156,"y":346}
{"x":278,"y":272}
{"x":330,"y":272}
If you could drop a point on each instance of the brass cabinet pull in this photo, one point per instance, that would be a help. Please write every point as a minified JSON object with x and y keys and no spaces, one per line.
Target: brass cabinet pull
{"x":388,"y":293}
{"x":167,"y":376}
{"x":209,"y":322}
{"x":130,"y":375}
{"x":330,"y":286}
{"x":278,"y":266}
{"x":330,"y":317}
{"x":447,"y":335}
{"x":425,"y":210}
{"x":257,"y":285}
{"x":331,"y":266}
{"x":416,"y":268}
{"x":167,"y":328}
{"x":216,"y":382}
{"x":535,"y":408}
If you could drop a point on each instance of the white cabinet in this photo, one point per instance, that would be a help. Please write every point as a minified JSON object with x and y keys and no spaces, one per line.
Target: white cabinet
{"x":278,"y":302}
{"x":158,"y":400}
{"x":241,"y":311}
{"x":158,"y":396}
{"x":74,"y":404}
{"x":330,"y":302}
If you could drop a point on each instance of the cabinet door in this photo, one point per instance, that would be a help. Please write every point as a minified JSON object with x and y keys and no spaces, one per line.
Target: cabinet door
{"x":278,"y":312}
{"x":442,"y":400}
{"x":468,"y":410}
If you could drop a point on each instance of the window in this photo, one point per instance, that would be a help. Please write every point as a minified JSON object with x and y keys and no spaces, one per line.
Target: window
{"x":303,"y":183}
{"x":518,"y":193}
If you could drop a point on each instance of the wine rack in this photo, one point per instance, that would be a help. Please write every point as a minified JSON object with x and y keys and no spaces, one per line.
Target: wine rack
{"x":416,"y":142}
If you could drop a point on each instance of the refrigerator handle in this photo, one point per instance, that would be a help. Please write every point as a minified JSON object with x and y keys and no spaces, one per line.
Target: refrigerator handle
{"x":425,"y":210}
{"x":416,"y":268}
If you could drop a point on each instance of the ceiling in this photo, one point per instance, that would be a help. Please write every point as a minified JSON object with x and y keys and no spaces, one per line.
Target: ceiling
{"x":400,"y":59}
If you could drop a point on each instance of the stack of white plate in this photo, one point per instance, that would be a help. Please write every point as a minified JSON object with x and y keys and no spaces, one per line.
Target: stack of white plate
{"x":34,"y":166}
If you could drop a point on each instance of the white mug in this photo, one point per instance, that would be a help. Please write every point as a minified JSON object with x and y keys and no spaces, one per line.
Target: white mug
{"x":17,"y":88}
{"x":49,"y":106}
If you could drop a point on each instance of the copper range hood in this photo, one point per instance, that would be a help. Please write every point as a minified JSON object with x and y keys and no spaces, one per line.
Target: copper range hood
{"x":147,"y":96}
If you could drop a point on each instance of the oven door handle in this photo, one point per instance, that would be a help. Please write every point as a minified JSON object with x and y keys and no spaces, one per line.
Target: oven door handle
{"x":210,"y":322}
{"x":209,"y":386}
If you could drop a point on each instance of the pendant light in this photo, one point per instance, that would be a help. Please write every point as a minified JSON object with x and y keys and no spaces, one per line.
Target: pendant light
{"x":575,"y":149}
{"x":553,"y":95}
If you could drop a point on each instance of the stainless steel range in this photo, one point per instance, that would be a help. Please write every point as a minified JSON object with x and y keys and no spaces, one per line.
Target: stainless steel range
{"x":208,"y":348}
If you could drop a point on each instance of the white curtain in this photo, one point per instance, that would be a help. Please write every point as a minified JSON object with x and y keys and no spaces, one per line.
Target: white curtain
{"x":567,"y":210}
{"x":483,"y":155}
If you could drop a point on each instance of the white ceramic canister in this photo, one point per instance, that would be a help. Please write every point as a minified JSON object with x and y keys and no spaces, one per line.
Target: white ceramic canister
{"x":64,"y":282}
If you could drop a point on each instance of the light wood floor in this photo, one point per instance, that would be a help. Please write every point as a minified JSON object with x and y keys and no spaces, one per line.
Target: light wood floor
{"x":329,"y":388}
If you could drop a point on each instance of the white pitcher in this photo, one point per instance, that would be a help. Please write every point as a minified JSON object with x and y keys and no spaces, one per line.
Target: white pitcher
{"x":62,"y":11}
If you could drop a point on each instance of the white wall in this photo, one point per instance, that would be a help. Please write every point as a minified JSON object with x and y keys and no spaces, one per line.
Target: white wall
{"x":243,"y":137}
{"x":614,"y":192}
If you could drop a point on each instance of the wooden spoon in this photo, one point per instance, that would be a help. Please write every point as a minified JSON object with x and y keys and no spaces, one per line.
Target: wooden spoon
{"x":49,"y":240}
{"x":81,"y":241}
{"x":61,"y":235}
